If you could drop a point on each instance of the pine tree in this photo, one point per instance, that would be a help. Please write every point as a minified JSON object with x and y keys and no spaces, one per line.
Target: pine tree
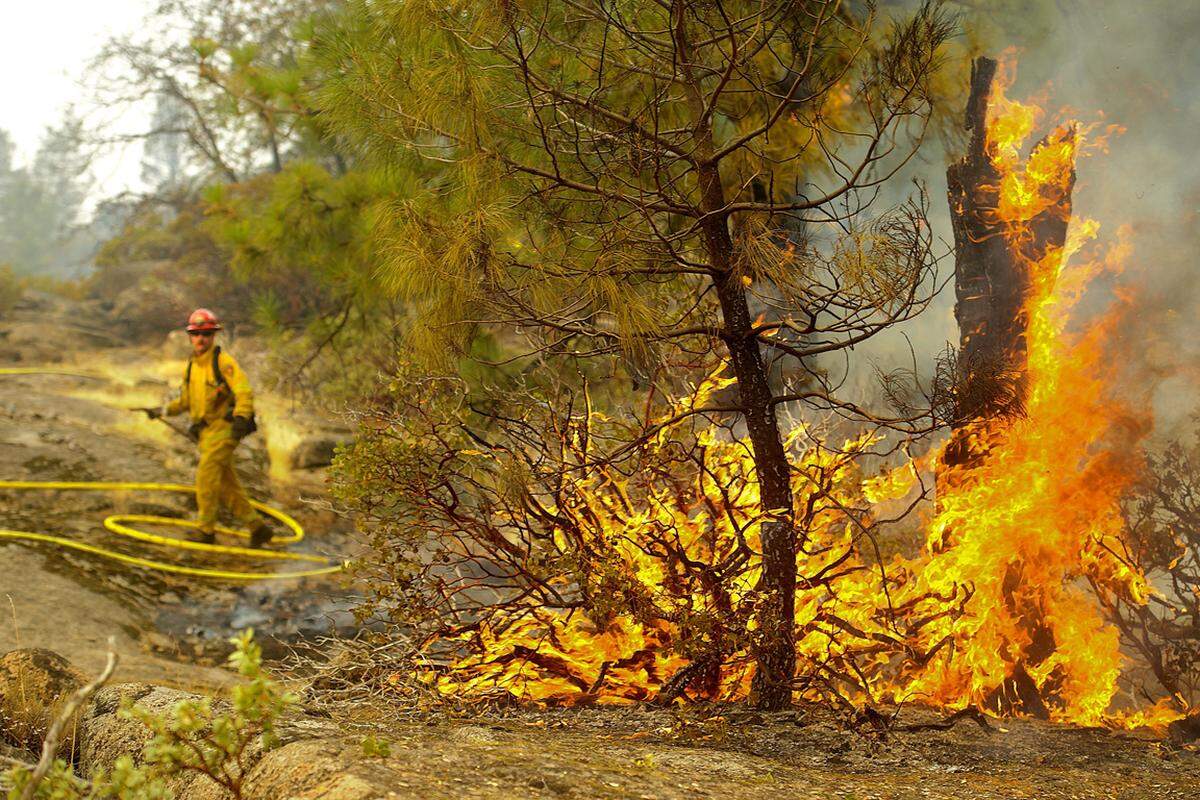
{"x":663,"y":184}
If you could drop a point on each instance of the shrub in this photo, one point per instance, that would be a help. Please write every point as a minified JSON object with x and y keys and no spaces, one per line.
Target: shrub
{"x":194,"y":737}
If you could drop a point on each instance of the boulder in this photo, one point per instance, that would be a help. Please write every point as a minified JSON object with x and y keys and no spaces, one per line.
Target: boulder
{"x":34,"y":685}
{"x":41,"y":341}
{"x":312,"y":763}
{"x":105,"y":735}
{"x":315,"y":452}
{"x":318,"y":769}
{"x":1183,"y":731}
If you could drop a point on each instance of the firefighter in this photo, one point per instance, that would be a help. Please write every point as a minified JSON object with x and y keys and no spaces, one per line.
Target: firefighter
{"x":217,"y":397}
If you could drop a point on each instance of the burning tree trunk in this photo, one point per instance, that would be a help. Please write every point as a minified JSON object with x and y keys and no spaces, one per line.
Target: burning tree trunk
{"x":993,"y":272}
{"x":1004,"y":234}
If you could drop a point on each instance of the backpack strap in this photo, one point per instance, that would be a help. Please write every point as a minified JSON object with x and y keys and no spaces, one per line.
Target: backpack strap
{"x":217,"y":369}
{"x":221,"y":382}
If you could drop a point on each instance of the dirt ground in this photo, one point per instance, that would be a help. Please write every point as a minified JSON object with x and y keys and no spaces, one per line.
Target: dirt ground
{"x":737,"y":754}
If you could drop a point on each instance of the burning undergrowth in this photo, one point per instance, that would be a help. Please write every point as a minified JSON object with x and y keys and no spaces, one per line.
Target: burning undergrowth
{"x":568,"y":581}
{"x":538,"y":567}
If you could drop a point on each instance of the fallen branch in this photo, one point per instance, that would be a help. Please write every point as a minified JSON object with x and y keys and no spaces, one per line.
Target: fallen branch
{"x":681,"y":680}
{"x":949,"y":722}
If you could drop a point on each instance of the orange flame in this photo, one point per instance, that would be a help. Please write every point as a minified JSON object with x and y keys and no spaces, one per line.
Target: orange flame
{"x":1037,"y":519}
{"x":1021,"y":532}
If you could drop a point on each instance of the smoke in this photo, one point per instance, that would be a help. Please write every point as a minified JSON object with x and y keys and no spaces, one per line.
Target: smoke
{"x":1135,"y":64}
{"x":1136,"y":61}
{"x":1112,"y":62}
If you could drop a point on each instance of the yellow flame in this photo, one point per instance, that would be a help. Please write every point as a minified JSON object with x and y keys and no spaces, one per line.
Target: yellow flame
{"x":1021,"y":531}
{"x":1037,"y":517}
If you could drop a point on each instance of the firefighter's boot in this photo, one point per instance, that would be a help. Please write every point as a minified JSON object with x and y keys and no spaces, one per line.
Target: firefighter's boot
{"x":202,"y":536}
{"x":260,"y":534}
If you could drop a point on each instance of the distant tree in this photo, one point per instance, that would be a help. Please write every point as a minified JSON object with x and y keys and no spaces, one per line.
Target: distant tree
{"x":11,"y":183}
{"x":42,"y":230}
{"x":61,"y":172}
{"x":164,"y":147}
{"x":669,"y":186}
{"x":7,"y":151}
{"x":227,"y":80}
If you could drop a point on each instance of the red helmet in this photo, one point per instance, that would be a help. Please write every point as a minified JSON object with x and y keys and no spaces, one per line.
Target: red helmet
{"x":203,"y":320}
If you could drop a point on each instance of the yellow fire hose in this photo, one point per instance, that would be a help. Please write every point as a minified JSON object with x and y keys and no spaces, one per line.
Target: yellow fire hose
{"x":121,"y":524}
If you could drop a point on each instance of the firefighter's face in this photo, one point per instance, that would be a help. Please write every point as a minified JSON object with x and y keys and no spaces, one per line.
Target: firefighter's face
{"x":202,"y":341}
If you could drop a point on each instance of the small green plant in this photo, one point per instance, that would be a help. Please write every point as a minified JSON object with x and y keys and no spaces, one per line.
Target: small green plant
{"x":125,"y":781}
{"x":193,"y":737}
{"x":373,"y":747}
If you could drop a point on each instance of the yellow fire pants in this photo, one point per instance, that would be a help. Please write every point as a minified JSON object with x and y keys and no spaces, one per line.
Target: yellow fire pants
{"x":216,"y":483}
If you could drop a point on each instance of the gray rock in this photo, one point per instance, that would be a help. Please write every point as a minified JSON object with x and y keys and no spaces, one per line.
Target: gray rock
{"x":315,"y":452}
{"x":318,"y":769}
{"x":105,"y":735}
{"x":313,"y":763}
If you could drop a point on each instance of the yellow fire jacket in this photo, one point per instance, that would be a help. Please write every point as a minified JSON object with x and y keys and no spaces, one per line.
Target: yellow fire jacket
{"x":207,"y":399}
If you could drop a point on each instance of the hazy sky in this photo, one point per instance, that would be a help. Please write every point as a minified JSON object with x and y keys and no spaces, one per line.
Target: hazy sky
{"x":44,"y":47}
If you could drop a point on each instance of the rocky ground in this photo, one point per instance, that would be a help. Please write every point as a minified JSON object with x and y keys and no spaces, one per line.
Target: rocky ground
{"x":172,"y":631}
{"x":667,"y":756}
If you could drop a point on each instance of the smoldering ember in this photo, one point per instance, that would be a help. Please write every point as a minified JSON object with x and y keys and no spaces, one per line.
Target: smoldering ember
{"x":599,"y":399}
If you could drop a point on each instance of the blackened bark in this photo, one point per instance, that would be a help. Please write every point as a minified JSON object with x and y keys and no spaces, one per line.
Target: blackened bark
{"x":993,"y":281}
{"x":990,"y":282}
{"x":775,"y":654}
{"x":986,"y":282}
{"x":992,"y":271}
{"x":776,"y":651}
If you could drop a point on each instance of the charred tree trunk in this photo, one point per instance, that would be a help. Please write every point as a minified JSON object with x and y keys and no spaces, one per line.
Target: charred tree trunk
{"x":775,"y":655}
{"x":989,"y":284}
{"x":993,"y":274}
{"x":775,"y":651}
{"x":994,"y":277}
